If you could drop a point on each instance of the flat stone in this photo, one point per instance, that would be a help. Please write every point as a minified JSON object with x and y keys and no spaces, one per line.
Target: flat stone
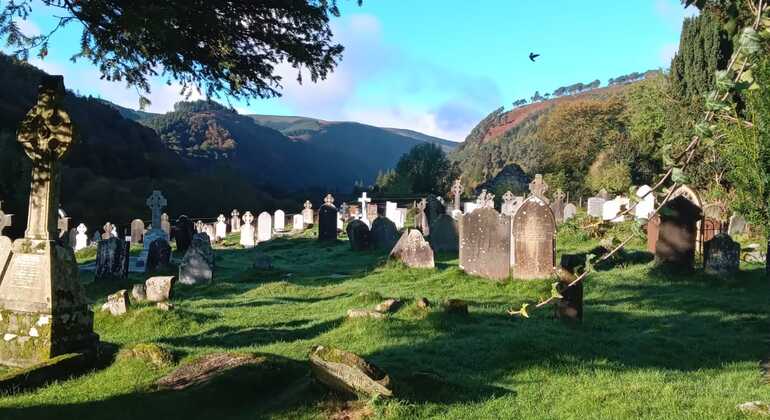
{"x":118,"y":302}
{"x":204,"y":369}
{"x":159,"y":289}
{"x":348,"y":373}
{"x":365,"y":313}
{"x":756,"y":408}
{"x":164,"y":306}
{"x":388,"y":306}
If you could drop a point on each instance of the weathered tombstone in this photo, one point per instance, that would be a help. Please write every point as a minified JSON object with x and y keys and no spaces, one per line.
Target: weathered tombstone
{"x":358,"y":235}
{"x":434,"y":208}
{"x":485,"y":244}
{"x":678,"y":233}
{"x":248,"y":235}
{"x":444,"y":234}
{"x":538,"y":188}
{"x":391,"y":212}
{"x":117,"y":303}
{"x":721,"y":255}
{"x":158,"y":256}
{"x":185,"y":229}
{"x":534,"y":240}
{"x":327,"y":220}
{"x":557,"y":205}
{"x":737,"y":225}
{"x":279,"y":220}
{"x":264,"y":227}
{"x":235,"y":221}
{"x":344,"y":212}
{"x":485,"y":199}
{"x":413,"y":250}
{"x":63,"y":224}
{"x":159,"y":289}
{"x":646,"y":205}
{"x":111,"y":260}
{"x":297,"y":223}
{"x":81,"y":240}
{"x":384,"y":234}
{"x":107,"y":230}
{"x":421,"y":219}
{"x":595,"y":206}
{"x":197,"y":266}
{"x":611,"y":211}
{"x":137,"y":231}
{"x":307,"y":214}
{"x":714,"y":220}
{"x":457,"y":192}
{"x":570,"y":210}
{"x":221,"y":232}
{"x":45,"y":310}
{"x":200,"y":227}
{"x":690,"y":194}
{"x":165,"y":225}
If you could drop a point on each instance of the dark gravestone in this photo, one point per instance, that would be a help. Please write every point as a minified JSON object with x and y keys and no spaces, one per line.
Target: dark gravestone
{"x":721,"y":255}
{"x":433,"y":208}
{"x":72,"y":238}
{"x":358,"y":235}
{"x":413,"y":250}
{"x":184,"y":231}
{"x":197,"y":266}
{"x":678,"y":233}
{"x":444,"y":236}
{"x":534,"y":240}
{"x":111,"y":260}
{"x":384,"y":234}
{"x":327,"y":223}
{"x":159,"y":255}
{"x":485,"y":244}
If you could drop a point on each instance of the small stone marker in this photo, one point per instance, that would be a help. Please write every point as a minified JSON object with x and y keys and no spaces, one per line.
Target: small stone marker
{"x":384,"y":234}
{"x":595,"y":206}
{"x":557,"y":205}
{"x":197,"y":266}
{"x":235,"y":221}
{"x":139,"y":293}
{"x":159,"y":289}
{"x":721,"y":255}
{"x":485,"y":244}
{"x":533,"y":240}
{"x":307,"y":214}
{"x":264,"y":227}
{"x":137,"y":231}
{"x":445,"y":236}
{"x":81,"y":240}
{"x":348,"y":373}
{"x":457,"y":192}
{"x":327,"y":220}
{"x":570,"y":210}
{"x":248,"y":235}
{"x":297,"y":223}
{"x":678,"y":233}
{"x":111,"y":260}
{"x":413,"y":250}
{"x":117,"y":303}
{"x":279,"y":220}
{"x":737,"y":225}
{"x":421,"y":219}
{"x":358,"y":235}
{"x":185,"y":229}
{"x":263,"y":261}
{"x":221,"y":230}
{"x":510,"y":204}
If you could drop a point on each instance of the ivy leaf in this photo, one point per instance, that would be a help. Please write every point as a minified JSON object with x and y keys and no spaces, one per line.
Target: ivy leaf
{"x":678,"y":176}
{"x":724,"y":80}
{"x":750,"y":41}
{"x":589,"y":262}
{"x":703,"y":130}
{"x":555,"y":291}
{"x":523,"y":311}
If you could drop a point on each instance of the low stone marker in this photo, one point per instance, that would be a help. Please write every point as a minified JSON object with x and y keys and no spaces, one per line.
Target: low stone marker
{"x":117,"y":303}
{"x":139,"y":293}
{"x":413,"y":250}
{"x":159,"y":289}
{"x":348,"y":373}
{"x":721,"y":255}
{"x":197,"y":266}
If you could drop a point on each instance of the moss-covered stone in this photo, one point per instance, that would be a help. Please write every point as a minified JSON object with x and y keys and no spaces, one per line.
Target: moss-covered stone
{"x":148,"y":352}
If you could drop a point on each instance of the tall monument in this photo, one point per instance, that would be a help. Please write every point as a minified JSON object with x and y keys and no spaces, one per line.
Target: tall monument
{"x":43,"y":308}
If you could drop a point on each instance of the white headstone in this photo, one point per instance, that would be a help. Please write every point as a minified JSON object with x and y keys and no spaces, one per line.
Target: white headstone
{"x":81,"y":239}
{"x":364,"y":200}
{"x":247,"y":231}
{"x":264,"y":227}
{"x":221,"y":227}
{"x":646,"y":205}
{"x":595,"y":206}
{"x":569,"y":211}
{"x":279,"y":220}
{"x":297,"y":223}
{"x":611,"y":209}
{"x":469,"y":206}
{"x":457,"y":214}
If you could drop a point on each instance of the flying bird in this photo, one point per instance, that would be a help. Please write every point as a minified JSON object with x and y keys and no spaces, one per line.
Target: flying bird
{"x":533,"y":56}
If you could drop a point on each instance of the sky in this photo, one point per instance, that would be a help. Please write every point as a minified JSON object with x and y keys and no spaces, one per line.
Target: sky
{"x":433,"y":66}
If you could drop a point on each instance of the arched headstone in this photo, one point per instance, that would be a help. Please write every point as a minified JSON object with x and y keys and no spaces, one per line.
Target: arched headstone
{"x":485,"y":244}
{"x":279,"y":220}
{"x":533,"y":240}
{"x":264,"y":227}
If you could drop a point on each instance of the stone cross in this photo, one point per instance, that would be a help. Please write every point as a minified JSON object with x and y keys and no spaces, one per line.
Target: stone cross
{"x":486,"y":199}
{"x":538,"y":187}
{"x":199,"y":226}
{"x":82,"y":228}
{"x":248,"y":218}
{"x":235,"y":213}
{"x":108,"y":228}
{"x":156,"y":202}
{"x":559,"y":195}
{"x":423,"y":204}
{"x":308,"y":205}
{"x":364,"y":200}
{"x":221,"y":218}
{"x":457,"y":190}
{"x":508,"y":197}
{"x":329,"y":200}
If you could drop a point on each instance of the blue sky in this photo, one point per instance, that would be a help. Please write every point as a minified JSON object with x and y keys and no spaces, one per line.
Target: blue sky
{"x":437,"y":66}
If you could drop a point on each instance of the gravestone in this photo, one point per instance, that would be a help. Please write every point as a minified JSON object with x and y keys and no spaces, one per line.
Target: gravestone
{"x":235,"y":221}
{"x":603,"y":194}
{"x":538,"y":188}
{"x":248,"y":235}
{"x":653,"y":230}
{"x":714,"y":220}
{"x":421,"y":218}
{"x":510,"y":203}
{"x":646,"y":205}
{"x":221,"y":231}
{"x":71,"y":238}
{"x":107,"y":230}
{"x":595,"y":206}
{"x":264,"y":227}
{"x":485,"y":200}
{"x":384,"y":234}
{"x":45,"y":312}
{"x":444,"y":234}
{"x":485,"y":244}
{"x":159,"y":255}
{"x":372,"y":212}
{"x":413,"y":250}
{"x":297,"y":223}
{"x":434,"y":208}
{"x":165,"y":225}
{"x":279,"y":220}
{"x":364,"y":200}
{"x":197,"y":266}
{"x":457,"y":192}
{"x":200,"y":227}
{"x":358,"y":235}
{"x":137,"y":231}
{"x":721,"y":255}
{"x":612,"y":209}
{"x":557,"y":205}
{"x":111,"y":259}
{"x":156,"y":202}
{"x":533,"y":240}
{"x":694,"y":197}
{"x":327,"y":220}
{"x":307,"y":214}
{"x":736,"y":225}
{"x":185,"y":229}
{"x":678,"y":233}
{"x":81,"y":240}
{"x":570,"y":210}
{"x":211,"y":231}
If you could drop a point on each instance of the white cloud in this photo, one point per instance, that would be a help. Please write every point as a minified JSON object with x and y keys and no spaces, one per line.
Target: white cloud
{"x":427,"y":122}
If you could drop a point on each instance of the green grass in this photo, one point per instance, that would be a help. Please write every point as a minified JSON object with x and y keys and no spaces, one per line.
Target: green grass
{"x":651,"y":346}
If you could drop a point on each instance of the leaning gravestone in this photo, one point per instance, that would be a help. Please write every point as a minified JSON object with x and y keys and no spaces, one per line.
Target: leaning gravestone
{"x":264,"y":227}
{"x":358,"y":235}
{"x":235,"y":221}
{"x":221,"y":228}
{"x":444,"y":235}
{"x":678,"y":233}
{"x":534,"y":240}
{"x":327,"y":220}
{"x":185,"y":229}
{"x":45,"y":310}
{"x":485,"y":244}
{"x":279,"y":220}
{"x":197,"y":266}
{"x":569,"y":211}
{"x":413,"y":250}
{"x":307,"y":214}
{"x":721,"y":255}
{"x":137,"y":231}
{"x":159,"y":255}
{"x":248,"y":235}
{"x":111,"y":260}
{"x":384,"y":234}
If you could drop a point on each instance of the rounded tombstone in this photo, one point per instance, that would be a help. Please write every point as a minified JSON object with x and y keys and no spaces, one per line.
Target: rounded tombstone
{"x":185,"y":229}
{"x":444,"y":234}
{"x":384,"y":234}
{"x":358,"y":235}
{"x":533,"y":240}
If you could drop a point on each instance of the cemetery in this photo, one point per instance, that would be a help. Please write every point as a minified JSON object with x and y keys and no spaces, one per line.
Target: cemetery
{"x":582,"y":255}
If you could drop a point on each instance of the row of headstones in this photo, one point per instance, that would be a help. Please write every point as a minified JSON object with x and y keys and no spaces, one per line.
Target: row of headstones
{"x":615,"y":210}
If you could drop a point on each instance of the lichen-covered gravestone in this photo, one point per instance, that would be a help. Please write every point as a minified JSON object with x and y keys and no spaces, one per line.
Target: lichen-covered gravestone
{"x":43,"y":308}
{"x":721,"y":255}
{"x":534,"y":240}
{"x":358,"y":235}
{"x":197,"y":266}
{"x":413,"y":250}
{"x":485,"y":244}
{"x":384,"y":234}
{"x":111,"y":260}
{"x":444,"y":234}
{"x":327,"y":220}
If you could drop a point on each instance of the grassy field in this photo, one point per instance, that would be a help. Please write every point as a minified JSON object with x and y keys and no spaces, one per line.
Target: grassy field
{"x":651,"y":346}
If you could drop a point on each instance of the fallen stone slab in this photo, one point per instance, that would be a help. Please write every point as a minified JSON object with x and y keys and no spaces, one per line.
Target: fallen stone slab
{"x":365,"y":313}
{"x":348,"y":373}
{"x":117,"y":303}
{"x":388,"y":306}
{"x":205,"y":368}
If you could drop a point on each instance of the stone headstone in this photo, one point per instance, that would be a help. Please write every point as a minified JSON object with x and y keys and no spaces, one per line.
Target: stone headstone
{"x":111,"y":260}
{"x":736,"y":225}
{"x":159,"y":255}
{"x":364,"y":200}
{"x":200,"y":226}
{"x":510,"y":203}
{"x":538,"y":188}
{"x":185,"y":229}
{"x":264,"y":227}
{"x":307,"y":214}
{"x":165,"y":225}
{"x":117,"y":303}
{"x":646,"y":205}
{"x":469,"y":207}
{"x":612,"y":209}
{"x":327,"y":220}
{"x":159,"y":289}
{"x":81,"y":240}
{"x":603,"y":194}
{"x":434,"y":208}
{"x":137,"y":231}
{"x":279,"y":220}
{"x":72,"y":238}
{"x":678,"y":233}
{"x":248,"y":235}
{"x":235,"y":221}
{"x":44,"y":307}
{"x":395,"y":214}
{"x":297,"y":223}
{"x":413,"y":250}
{"x":358,"y":235}
{"x":595,"y":206}
{"x":457,"y":192}
{"x":533,"y":240}
{"x":372,"y":212}
{"x":721,"y":255}
{"x":570,"y":210}
{"x":139,"y":292}
{"x":421,"y":218}
{"x":557,"y":205}
{"x":485,"y":244}
{"x":344,"y":212}
{"x":444,"y":234}
{"x":221,"y":230}
{"x":197,"y":266}
{"x":384,"y":234}
{"x":107,"y":230}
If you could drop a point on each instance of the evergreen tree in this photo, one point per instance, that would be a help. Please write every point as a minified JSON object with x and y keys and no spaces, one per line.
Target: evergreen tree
{"x":704,"y":48}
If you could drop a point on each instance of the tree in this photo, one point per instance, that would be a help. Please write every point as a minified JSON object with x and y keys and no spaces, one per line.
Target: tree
{"x":424,"y":170}
{"x":215,"y":46}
